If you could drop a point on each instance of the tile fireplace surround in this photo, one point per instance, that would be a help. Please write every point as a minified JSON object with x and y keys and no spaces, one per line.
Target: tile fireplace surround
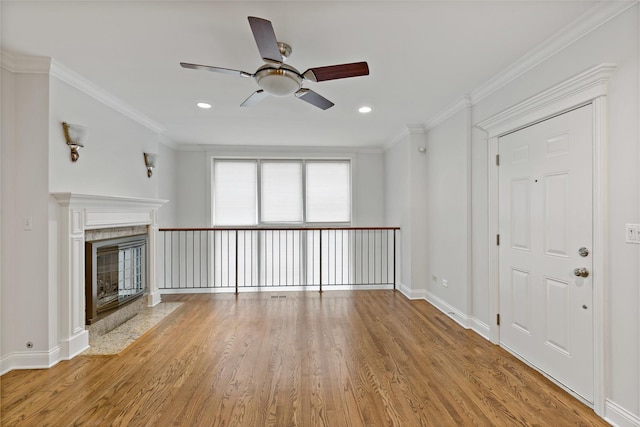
{"x":79,"y":213}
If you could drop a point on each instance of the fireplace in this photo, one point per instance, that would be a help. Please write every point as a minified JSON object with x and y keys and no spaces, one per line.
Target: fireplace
{"x":116,"y":274}
{"x":79,"y":215}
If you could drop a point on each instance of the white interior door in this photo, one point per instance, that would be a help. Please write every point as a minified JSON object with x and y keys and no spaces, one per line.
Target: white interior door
{"x":545,"y":197}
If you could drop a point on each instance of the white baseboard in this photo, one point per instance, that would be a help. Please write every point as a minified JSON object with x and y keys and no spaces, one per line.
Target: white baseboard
{"x":153,"y":299}
{"x":74,"y":346}
{"x":66,"y":350}
{"x":480,"y":328}
{"x":464,"y":320}
{"x":30,"y":360}
{"x":412,"y":294}
{"x":305,"y":288}
{"x":6,"y":364}
{"x":458,"y":316}
{"x":618,"y":416}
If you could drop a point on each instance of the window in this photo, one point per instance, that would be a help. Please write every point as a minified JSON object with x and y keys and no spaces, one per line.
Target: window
{"x":281,"y":192}
{"x":328,"y":192}
{"x":236,"y":192}
{"x":256,"y":191}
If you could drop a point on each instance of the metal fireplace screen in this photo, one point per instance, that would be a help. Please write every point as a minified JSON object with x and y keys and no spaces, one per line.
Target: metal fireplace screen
{"x":116,"y":274}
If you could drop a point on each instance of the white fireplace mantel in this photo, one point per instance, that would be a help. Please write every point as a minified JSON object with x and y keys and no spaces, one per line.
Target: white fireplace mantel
{"x":80,"y":212}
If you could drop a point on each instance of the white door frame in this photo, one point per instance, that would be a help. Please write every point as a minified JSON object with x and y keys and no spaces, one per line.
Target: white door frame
{"x":589,"y":87}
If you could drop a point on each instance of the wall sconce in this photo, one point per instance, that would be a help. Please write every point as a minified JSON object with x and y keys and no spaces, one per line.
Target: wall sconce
{"x":76,"y":136}
{"x":150,"y":162}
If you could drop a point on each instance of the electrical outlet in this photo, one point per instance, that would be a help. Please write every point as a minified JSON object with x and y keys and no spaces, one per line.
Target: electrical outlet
{"x":445,"y":283}
{"x":28,"y":223}
{"x":631,"y":233}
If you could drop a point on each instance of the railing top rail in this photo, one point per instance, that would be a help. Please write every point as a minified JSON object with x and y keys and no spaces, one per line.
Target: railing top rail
{"x":277,"y":228}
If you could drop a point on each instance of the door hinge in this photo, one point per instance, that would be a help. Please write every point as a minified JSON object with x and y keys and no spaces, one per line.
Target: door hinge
{"x":498,"y":319}
{"x":497,"y":159}
{"x":497,"y":239}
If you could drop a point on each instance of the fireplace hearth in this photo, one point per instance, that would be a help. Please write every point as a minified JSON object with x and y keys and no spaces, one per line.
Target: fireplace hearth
{"x":115,"y":274}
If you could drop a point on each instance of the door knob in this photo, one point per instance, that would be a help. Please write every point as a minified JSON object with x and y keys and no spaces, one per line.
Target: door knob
{"x":581,"y":272}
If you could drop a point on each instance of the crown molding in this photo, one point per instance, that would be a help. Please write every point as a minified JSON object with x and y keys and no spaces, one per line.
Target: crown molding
{"x":280,"y":151}
{"x":79,"y":82}
{"x":399,"y":137}
{"x":409,"y":129}
{"x":589,"y":21}
{"x":25,"y":64}
{"x":448,"y":112}
{"x":414,"y":128}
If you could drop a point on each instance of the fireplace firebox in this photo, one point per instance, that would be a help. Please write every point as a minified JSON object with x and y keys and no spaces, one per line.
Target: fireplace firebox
{"x":115,"y":274}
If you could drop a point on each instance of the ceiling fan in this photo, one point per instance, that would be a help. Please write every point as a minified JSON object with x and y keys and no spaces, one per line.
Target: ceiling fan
{"x":279,"y":79}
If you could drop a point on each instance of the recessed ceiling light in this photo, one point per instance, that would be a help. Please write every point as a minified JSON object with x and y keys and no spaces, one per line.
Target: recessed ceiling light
{"x":365,"y":109}
{"x":203,"y":105}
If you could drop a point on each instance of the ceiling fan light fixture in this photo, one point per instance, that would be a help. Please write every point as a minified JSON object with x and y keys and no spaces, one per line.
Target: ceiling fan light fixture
{"x":281,"y":81}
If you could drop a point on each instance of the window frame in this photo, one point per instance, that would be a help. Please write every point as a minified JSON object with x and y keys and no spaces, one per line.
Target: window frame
{"x":259,"y":160}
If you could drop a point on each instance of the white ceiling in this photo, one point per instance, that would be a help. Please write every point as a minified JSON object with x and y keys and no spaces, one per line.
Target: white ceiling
{"x":423,"y":56}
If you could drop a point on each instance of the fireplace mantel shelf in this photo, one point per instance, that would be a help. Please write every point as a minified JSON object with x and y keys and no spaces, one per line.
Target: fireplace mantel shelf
{"x":90,"y":200}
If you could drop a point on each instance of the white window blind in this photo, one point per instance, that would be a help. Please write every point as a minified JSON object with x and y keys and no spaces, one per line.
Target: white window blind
{"x":235,"y":192}
{"x":255,"y":191}
{"x":328,"y":191}
{"x":281,"y":191}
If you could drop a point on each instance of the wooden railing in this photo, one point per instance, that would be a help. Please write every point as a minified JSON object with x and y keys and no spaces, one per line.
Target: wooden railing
{"x":235,"y":259}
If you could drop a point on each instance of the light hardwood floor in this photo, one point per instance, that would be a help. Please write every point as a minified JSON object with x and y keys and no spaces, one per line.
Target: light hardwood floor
{"x":363,"y":358}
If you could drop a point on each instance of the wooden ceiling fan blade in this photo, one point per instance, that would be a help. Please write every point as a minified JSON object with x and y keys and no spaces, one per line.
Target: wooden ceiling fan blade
{"x":254,"y":98}
{"x":314,"y":98}
{"x":215,"y":69}
{"x":265,"y":39}
{"x":333,"y":72}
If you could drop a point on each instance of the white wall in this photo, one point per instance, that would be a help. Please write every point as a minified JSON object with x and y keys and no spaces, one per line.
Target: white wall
{"x":7,"y":199}
{"x":479,"y":288}
{"x":616,"y":41}
{"x":447,"y":211}
{"x":368,"y":188}
{"x":397,"y":204}
{"x":405,"y":205}
{"x":418,"y":205}
{"x":26,"y":288}
{"x":194,"y":179}
{"x":166,"y":173}
{"x":6,"y":100}
{"x":193,"y":189}
{"x":112,"y":162}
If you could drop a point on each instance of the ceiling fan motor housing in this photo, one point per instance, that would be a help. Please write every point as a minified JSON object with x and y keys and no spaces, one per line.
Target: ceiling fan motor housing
{"x":282,"y":81}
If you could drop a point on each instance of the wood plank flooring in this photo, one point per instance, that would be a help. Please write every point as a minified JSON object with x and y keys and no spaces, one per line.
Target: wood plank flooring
{"x":363,"y":358}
